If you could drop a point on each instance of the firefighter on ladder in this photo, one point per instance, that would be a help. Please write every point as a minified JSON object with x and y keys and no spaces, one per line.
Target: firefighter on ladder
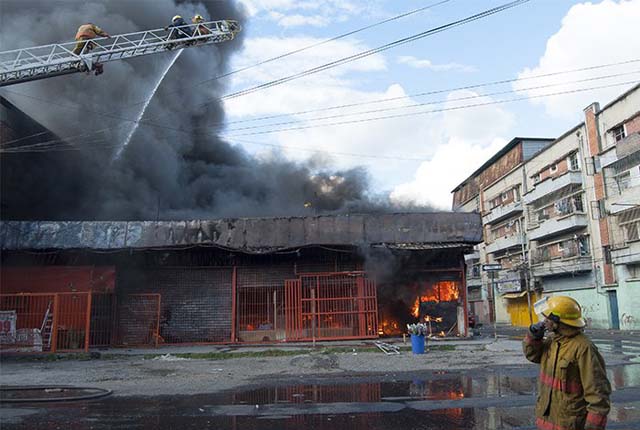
{"x":201,"y":29}
{"x":178,"y":29}
{"x":573,"y":389}
{"x":85,"y":33}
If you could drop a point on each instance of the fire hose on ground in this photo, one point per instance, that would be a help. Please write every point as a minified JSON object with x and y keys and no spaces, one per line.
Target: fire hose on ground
{"x":13,"y":394}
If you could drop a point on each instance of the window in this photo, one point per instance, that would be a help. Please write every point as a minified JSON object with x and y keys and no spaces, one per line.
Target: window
{"x":475,"y":271}
{"x":623,"y":180}
{"x":618,"y":133}
{"x":583,"y":245}
{"x":632,"y":231}
{"x":574,"y":161}
{"x":542,"y":215}
{"x":577,"y":203}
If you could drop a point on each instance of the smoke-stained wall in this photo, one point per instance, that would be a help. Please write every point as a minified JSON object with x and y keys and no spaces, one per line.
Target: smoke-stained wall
{"x":163,"y":173}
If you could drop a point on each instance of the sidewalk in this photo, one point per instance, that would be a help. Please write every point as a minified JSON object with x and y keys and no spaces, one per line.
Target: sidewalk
{"x":297,"y":346}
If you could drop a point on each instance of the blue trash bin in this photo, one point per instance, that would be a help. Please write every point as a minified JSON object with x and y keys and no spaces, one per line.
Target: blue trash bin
{"x":417,"y":343}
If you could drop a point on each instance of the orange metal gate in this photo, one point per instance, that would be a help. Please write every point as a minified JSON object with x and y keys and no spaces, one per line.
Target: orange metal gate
{"x":331,"y":306}
{"x":47,"y":322}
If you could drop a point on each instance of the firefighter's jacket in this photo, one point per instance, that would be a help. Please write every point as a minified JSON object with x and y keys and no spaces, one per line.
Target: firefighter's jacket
{"x":89,"y":31}
{"x":573,"y":389}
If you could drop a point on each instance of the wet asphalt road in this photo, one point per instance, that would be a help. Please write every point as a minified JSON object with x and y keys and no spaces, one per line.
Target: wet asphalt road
{"x":480,"y":399}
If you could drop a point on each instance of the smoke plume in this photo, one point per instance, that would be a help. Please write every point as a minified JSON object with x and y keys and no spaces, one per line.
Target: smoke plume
{"x":163,"y":173}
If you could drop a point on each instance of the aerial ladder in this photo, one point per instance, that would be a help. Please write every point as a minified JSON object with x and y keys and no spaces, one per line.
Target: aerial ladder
{"x":40,"y":62}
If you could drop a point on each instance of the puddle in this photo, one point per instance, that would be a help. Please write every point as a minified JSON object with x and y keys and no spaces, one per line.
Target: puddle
{"x":450,"y":387}
{"x":483,"y":399}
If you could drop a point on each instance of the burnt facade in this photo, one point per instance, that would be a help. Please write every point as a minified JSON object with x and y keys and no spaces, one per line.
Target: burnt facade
{"x":239,"y":280}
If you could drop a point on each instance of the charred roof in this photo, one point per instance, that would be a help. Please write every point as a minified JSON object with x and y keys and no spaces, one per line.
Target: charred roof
{"x":253,"y":235}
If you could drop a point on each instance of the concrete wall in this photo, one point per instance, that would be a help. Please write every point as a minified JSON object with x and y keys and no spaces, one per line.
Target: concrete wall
{"x":628,"y":299}
{"x":554,"y":152}
{"x":577,"y":281}
{"x":616,"y":113}
{"x":595,"y":306}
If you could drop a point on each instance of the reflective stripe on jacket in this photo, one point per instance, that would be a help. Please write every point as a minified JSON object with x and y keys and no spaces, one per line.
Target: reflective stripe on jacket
{"x":573,"y":389}
{"x":89,"y":31}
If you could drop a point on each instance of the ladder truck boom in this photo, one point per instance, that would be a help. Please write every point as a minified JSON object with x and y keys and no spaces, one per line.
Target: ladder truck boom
{"x":40,"y":62}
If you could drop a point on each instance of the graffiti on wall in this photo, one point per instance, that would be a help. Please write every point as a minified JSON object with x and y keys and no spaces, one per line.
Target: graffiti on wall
{"x":627,"y":321}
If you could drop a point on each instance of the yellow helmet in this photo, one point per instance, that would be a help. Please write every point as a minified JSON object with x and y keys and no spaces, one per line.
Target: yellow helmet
{"x":176,"y":17}
{"x":562,"y":309}
{"x":198,"y":18}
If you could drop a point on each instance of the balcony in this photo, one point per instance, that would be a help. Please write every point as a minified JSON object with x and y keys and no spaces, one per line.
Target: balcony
{"x":564,"y":266}
{"x":554,"y":226}
{"x":551,"y":185}
{"x":630,"y":254}
{"x":475,"y":255}
{"x":624,"y":200}
{"x":500,"y":213}
{"x":504,"y":243}
{"x":475,"y":282}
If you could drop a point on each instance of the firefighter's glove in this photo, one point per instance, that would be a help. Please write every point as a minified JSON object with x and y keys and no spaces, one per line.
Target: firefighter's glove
{"x":537,"y":330}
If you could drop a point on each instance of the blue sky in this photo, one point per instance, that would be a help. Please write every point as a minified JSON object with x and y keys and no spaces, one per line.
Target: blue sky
{"x":541,"y":36}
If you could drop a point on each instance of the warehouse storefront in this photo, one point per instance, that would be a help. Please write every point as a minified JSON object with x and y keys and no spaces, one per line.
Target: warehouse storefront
{"x":76,"y":286}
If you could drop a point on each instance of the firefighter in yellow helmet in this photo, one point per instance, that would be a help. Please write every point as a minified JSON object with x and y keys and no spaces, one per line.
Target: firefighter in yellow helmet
{"x":201,"y":29}
{"x":85,"y":33}
{"x":178,"y":29}
{"x":573,"y":389}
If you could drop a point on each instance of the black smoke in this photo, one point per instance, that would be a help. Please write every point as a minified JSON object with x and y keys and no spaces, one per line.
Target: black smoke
{"x":163,"y":173}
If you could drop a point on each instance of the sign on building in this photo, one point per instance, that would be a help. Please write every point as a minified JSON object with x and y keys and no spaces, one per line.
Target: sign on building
{"x":8,"y":327}
{"x":491,"y":267}
{"x":509,"y":286}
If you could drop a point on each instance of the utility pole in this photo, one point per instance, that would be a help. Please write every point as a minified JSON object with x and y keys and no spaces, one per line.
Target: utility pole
{"x":492,"y":274}
{"x":525,"y":269}
{"x":492,"y":269}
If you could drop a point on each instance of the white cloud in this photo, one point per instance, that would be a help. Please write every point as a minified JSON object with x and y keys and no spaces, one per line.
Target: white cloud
{"x":297,"y":20}
{"x":317,"y":90}
{"x":455,"y":141}
{"x":292,"y":13}
{"x":469,"y":138}
{"x":450,"y":165}
{"x":591,"y":34}
{"x":417,"y":63}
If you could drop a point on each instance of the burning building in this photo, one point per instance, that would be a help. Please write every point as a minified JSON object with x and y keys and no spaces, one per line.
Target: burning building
{"x":77,"y":285}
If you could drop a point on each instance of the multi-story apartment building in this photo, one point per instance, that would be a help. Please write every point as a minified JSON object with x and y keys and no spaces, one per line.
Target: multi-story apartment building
{"x":562,"y":217}
{"x":495,"y":191}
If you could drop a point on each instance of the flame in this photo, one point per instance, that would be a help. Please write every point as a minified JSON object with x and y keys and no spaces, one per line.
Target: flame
{"x":389,"y":327}
{"x":443,"y":291}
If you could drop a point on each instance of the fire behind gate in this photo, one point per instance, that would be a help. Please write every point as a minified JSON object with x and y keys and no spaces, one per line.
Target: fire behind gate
{"x":223,"y":281}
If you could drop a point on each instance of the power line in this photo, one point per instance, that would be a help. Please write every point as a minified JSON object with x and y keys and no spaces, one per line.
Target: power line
{"x":323,"y":42}
{"x":147,"y":123}
{"x":432,"y":102}
{"x":370,"y":52}
{"x":364,"y":120}
{"x":433,"y":92}
{"x":495,"y":102}
{"x":266,"y":61}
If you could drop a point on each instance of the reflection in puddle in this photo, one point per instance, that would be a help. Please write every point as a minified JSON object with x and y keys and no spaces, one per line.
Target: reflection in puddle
{"x":500,"y":400}
{"x":443,"y":388}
